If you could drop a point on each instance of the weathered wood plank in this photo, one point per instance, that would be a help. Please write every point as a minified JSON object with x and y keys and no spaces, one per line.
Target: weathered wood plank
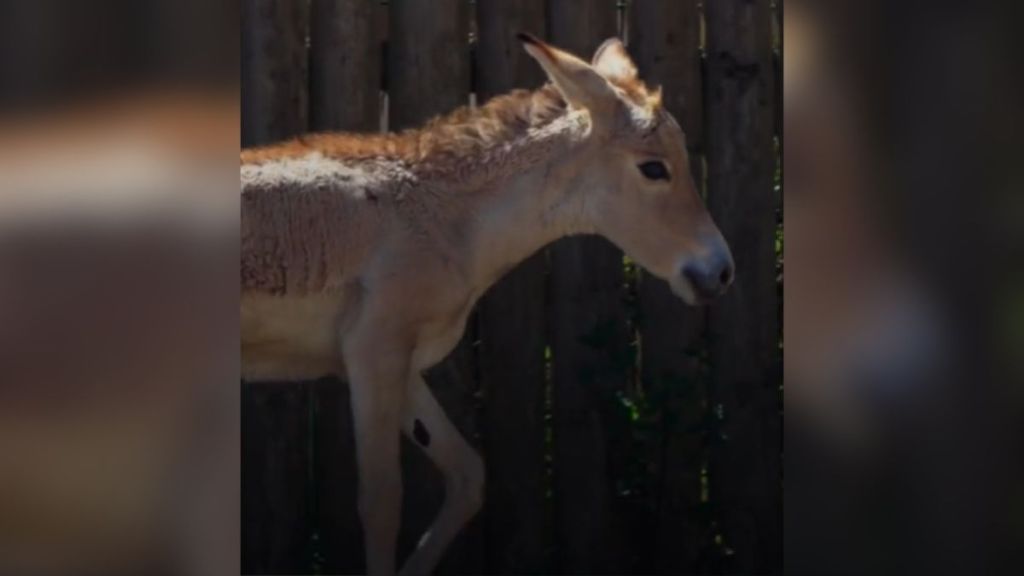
{"x":276,"y":522}
{"x":274,"y":70}
{"x":745,"y":460}
{"x":428,"y":70}
{"x":587,"y":324}
{"x":344,"y":66}
{"x":428,"y":60}
{"x":338,"y":548}
{"x":512,"y":336}
{"x":665,"y":42}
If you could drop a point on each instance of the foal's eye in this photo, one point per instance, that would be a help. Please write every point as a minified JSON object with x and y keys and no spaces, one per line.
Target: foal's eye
{"x":654,"y":170}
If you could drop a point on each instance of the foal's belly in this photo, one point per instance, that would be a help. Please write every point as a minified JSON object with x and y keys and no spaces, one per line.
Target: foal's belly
{"x":290,"y":337}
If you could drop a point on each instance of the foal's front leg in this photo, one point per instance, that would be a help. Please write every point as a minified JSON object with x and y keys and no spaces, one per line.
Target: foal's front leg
{"x":378,"y":372}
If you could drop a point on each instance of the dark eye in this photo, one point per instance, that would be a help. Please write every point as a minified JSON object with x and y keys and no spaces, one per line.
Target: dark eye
{"x":654,"y":170}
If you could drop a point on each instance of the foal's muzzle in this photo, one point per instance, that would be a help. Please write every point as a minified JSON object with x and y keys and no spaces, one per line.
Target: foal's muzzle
{"x":711,"y":275}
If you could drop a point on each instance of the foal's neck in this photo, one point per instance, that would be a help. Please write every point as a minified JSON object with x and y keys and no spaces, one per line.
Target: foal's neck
{"x":526,"y":202}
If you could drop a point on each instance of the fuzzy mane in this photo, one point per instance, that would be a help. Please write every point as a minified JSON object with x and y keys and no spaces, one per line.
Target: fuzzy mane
{"x":461,"y":132}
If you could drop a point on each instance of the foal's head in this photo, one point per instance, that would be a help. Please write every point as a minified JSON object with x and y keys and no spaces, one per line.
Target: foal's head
{"x":635,"y":181}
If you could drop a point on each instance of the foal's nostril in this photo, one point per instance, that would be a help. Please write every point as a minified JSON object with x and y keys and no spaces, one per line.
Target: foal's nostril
{"x":726,"y":276}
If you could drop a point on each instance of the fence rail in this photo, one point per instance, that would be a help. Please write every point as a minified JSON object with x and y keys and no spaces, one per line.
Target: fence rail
{"x":622,"y":431}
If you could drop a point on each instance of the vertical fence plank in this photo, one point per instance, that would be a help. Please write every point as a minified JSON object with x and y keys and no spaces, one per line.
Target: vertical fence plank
{"x":665,"y":41}
{"x":338,"y":548}
{"x":274,"y":65}
{"x":428,"y":60}
{"x":276,"y":523}
{"x":275,"y":498}
{"x":511,"y":325}
{"x":344,"y":66}
{"x":589,"y":344}
{"x":428,"y":71}
{"x":746,"y":468}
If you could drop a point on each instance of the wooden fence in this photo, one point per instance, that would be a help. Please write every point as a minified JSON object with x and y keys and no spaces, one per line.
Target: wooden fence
{"x":622,"y":431}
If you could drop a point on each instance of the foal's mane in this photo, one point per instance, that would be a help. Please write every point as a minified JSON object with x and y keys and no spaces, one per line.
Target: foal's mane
{"x":442,"y":138}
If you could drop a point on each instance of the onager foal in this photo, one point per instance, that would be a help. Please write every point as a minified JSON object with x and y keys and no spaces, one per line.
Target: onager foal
{"x":362,"y":255}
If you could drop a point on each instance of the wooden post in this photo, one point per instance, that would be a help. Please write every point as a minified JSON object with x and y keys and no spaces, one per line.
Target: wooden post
{"x":746,"y":468}
{"x":276,"y":523}
{"x":428,"y":74}
{"x":665,"y":42}
{"x":345,"y":67}
{"x":589,"y":342}
{"x":512,"y":342}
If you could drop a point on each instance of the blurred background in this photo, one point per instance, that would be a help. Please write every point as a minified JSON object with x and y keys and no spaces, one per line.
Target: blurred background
{"x":903,"y":312}
{"x":904,"y":288}
{"x":118,"y":287}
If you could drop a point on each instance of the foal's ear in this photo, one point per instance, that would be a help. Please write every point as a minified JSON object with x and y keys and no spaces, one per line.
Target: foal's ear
{"x":580,"y":84}
{"x":613,"y":62}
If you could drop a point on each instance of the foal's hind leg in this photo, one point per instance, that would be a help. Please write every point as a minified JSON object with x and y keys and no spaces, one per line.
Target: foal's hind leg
{"x":425,"y":422}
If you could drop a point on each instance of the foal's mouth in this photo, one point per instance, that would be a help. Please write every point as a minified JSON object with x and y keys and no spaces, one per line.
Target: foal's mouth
{"x":691,"y":297}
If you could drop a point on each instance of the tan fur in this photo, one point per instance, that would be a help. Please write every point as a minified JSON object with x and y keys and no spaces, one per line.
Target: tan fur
{"x":363,"y":255}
